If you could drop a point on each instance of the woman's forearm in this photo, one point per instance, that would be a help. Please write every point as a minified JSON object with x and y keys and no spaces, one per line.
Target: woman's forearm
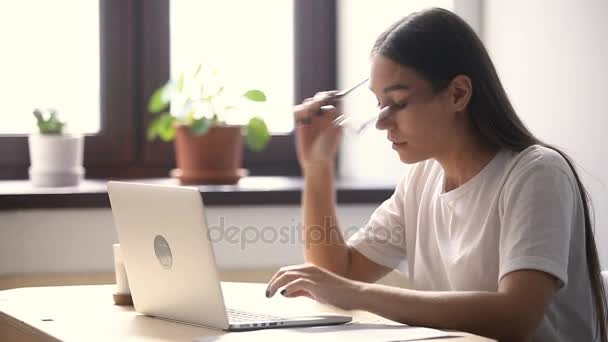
{"x":324,"y":243}
{"x":490,"y":314}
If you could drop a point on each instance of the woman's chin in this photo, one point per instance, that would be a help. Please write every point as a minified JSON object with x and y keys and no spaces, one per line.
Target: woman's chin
{"x":405,"y":154}
{"x":401,"y":149}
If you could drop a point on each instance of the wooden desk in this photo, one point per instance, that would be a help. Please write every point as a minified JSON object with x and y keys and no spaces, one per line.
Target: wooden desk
{"x":87,"y":313}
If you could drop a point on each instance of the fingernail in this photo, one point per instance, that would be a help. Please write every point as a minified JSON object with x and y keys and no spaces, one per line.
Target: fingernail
{"x":267,"y":294}
{"x":283,"y":292}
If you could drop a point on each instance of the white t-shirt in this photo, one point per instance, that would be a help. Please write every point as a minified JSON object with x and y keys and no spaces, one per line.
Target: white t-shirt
{"x":522,"y":211}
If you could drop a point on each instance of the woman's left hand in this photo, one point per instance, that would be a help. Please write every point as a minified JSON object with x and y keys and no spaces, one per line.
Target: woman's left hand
{"x":317,"y":283}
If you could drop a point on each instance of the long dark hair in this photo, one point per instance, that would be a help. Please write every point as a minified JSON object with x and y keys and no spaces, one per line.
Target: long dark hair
{"x":439,"y":46}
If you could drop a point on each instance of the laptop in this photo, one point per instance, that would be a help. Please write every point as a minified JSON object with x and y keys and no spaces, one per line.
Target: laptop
{"x":170,"y":263}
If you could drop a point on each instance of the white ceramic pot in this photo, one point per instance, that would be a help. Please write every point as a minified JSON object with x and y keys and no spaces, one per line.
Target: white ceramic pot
{"x":56,"y":160}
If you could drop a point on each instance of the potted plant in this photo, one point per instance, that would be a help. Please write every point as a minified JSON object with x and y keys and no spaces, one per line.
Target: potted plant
{"x":55,"y":157}
{"x":193,"y":111}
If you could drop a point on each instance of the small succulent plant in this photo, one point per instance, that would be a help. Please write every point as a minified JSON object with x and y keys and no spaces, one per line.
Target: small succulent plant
{"x":48,"y":121}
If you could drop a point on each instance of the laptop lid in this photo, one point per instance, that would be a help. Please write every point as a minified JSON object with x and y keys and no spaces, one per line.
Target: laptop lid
{"x":167,"y":253}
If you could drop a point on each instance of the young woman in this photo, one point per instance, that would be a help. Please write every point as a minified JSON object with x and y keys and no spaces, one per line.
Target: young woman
{"x":493,"y":224}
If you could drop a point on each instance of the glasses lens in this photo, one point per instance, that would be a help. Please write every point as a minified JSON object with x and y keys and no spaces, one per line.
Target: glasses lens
{"x":359,"y":106}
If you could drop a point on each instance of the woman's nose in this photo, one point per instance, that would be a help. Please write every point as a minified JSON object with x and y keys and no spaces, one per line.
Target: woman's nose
{"x":385,"y":121}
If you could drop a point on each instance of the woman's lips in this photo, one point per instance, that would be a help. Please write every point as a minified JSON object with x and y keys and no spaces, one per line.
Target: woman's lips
{"x":397,"y":145}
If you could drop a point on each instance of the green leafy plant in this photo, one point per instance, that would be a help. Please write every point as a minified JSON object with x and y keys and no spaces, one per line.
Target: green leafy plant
{"x":201,"y":101}
{"x":48,"y":122}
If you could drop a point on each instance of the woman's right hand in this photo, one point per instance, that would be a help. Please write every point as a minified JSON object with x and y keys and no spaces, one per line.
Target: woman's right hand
{"x":317,"y":138}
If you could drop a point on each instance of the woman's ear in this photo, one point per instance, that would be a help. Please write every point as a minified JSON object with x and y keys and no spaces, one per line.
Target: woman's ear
{"x":461,"y":90}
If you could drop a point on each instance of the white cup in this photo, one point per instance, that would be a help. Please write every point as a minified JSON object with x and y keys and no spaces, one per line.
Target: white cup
{"x":122,"y":283}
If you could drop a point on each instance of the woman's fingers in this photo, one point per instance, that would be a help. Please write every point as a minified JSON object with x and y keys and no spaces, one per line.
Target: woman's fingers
{"x":301,"y":293}
{"x":322,"y":103}
{"x":324,"y":98}
{"x":285,"y":269}
{"x":325,"y":116}
{"x":298,"y":286}
{"x":283,"y":280}
{"x":287,"y":274}
{"x":314,"y":282}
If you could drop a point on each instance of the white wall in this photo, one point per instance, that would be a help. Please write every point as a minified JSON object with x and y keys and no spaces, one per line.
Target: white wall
{"x":552,"y":56}
{"x":80,"y":240}
{"x":368,"y":156}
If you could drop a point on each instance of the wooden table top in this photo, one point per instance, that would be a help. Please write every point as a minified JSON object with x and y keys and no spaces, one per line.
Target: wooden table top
{"x":87,"y":313}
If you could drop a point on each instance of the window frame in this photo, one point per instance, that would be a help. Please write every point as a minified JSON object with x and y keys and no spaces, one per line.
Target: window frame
{"x":112,"y":146}
{"x":135,"y":60}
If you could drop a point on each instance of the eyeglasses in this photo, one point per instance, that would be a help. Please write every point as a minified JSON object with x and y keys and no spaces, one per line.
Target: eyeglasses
{"x":346,"y":121}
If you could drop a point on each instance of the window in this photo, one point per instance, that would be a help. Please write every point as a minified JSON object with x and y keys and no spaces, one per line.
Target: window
{"x":47,"y":62}
{"x":250,"y":51}
{"x":133,"y":42}
{"x":99,"y":61}
{"x":313,"y":69}
{"x":111,"y":98}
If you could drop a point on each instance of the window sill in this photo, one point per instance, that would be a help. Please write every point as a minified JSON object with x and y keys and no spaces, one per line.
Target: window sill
{"x":20,"y":194}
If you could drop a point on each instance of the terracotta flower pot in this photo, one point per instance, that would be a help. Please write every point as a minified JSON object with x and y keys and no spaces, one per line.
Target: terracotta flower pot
{"x":213,"y":158}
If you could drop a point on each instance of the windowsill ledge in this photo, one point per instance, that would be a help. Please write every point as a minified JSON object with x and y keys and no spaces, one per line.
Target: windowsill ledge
{"x":261,"y":190}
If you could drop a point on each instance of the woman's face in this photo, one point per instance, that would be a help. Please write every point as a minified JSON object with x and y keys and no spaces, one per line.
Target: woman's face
{"x":419,"y":122}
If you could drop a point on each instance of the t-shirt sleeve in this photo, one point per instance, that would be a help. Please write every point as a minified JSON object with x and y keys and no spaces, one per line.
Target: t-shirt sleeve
{"x":537,"y":221}
{"x":382,"y":239}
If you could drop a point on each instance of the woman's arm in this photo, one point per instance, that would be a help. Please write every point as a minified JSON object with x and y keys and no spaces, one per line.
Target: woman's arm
{"x":510,"y":314}
{"x":324,"y":242}
{"x":317,"y":141}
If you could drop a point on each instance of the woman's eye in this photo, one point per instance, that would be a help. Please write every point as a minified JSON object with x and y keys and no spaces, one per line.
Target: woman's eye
{"x":399,"y":106}
{"x":394,"y":106}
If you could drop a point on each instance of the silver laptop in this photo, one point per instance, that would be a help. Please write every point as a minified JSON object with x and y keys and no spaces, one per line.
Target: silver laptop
{"x":170,"y":263}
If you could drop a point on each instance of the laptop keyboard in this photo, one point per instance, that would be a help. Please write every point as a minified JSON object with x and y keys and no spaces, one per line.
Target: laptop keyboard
{"x":238,"y":316}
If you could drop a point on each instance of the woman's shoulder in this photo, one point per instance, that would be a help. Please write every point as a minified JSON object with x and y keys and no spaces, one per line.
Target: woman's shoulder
{"x":539,"y":158}
{"x":536,"y":163}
